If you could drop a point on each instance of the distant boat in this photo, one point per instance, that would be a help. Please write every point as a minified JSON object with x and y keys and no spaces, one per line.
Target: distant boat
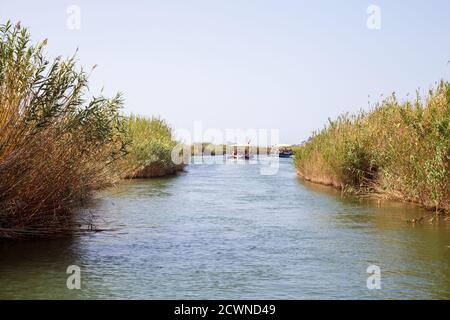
{"x":283,"y":150}
{"x":240,"y":151}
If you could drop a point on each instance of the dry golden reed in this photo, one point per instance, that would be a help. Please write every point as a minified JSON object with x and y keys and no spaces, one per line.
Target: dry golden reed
{"x":56,"y":146}
{"x":400,"y":150}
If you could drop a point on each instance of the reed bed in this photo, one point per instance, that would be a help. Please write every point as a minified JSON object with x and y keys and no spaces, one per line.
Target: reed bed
{"x":56,"y":145}
{"x":397,"y":150}
{"x":211,"y":149}
{"x":150,"y":148}
{"x":206,"y":148}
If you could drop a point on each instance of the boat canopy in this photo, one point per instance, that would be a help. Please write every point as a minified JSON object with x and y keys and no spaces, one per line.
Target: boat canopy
{"x":283,"y":145}
{"x":240,"y":145}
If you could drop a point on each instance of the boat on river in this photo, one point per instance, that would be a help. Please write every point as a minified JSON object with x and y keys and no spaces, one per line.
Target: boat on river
{"x":240,"y":151}
{"x":283,"y":150}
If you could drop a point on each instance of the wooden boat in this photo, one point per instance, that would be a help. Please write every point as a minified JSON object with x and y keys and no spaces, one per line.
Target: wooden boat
{"x":283,"y":150}
{"x":240,"y":151}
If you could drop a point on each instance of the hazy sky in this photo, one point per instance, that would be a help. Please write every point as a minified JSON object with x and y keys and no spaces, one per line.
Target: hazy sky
{"x":248,"y":64}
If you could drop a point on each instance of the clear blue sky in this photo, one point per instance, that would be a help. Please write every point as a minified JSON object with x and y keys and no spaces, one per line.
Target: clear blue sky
{"x":248,"y":64}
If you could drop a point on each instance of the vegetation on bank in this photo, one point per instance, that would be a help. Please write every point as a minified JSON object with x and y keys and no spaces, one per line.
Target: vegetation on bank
{"x":150,"y":151}
{"x":399,"y":150}
{"x":210,"y":149}
{"x":205,"y":148}
{"x":57,"y":145}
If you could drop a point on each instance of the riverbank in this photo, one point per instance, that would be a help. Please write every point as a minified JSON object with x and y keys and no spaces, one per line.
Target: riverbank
{"x":58,"y":146}
{"x":150,"y":151}
{"x":398,"y":150}
{"x":210,"y":149}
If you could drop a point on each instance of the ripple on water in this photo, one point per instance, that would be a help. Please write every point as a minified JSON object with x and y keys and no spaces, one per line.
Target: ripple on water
{"x":225,"y":231}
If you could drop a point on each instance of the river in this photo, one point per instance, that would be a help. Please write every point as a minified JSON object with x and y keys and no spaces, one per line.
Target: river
{"x":228,"y":232}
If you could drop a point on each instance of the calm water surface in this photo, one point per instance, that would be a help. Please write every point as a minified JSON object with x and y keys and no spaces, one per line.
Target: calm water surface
{"x":225,"y":231}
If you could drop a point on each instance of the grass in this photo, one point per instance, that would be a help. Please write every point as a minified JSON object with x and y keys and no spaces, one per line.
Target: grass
{"x":57,"y":144}
{"x":150,"y":148}
{"x":210,"y":149}
{"x":205,"y":148}
{"x":399,"y":150}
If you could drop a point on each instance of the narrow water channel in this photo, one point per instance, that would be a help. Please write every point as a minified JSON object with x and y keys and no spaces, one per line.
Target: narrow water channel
{"x":226,"y":231}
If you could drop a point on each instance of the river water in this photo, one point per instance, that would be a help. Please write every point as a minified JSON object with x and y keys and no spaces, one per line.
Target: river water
{"x":226,"y":231}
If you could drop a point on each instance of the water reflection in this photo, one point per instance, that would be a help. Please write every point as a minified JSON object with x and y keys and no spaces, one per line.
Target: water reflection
{"x":415,"y":257}
{"x":29,"y":268}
